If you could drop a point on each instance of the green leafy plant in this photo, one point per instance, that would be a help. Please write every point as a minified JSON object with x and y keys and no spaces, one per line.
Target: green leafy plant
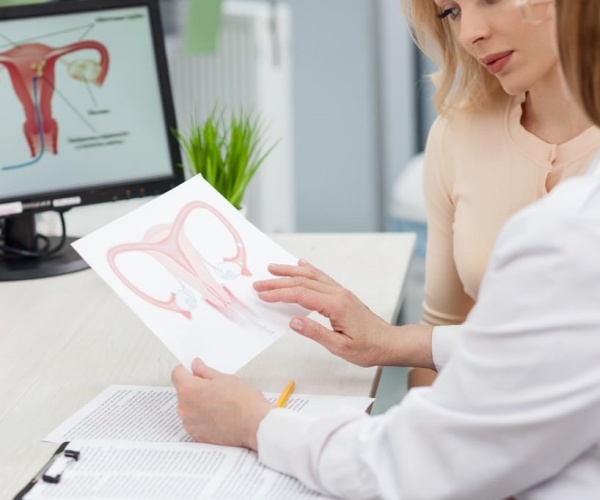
{"x":226,"y":153}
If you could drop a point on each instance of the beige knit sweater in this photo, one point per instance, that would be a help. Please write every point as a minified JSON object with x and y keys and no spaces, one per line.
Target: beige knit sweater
{"x":481,"y":166}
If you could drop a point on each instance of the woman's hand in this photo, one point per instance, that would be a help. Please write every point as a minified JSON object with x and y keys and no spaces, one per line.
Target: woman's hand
{"x":218,"y":408}
{"x":357,"y":335}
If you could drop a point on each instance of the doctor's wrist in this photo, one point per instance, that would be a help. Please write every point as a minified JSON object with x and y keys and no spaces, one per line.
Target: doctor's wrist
{"x":252,"y":422}
{"x":409,"y":345}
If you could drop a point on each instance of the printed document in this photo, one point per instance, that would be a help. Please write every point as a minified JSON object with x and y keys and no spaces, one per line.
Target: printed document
{"x":117,"y":470}
{"x":141,"y":413}
{"x":132,"y":445}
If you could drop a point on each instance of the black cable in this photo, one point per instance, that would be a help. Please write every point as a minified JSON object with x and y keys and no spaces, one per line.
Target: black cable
{"x":45,"y":251}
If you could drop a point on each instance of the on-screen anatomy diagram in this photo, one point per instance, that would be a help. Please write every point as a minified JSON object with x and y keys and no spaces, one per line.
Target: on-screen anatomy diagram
{"x":31,"y":67}
{"x":174,"y":251}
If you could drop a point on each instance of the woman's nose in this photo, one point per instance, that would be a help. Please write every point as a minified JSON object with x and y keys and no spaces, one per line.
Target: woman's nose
{"x":474,"y":26}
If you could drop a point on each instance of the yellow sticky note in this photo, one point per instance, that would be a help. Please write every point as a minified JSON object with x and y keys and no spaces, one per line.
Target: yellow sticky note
{"x":202,"y":25}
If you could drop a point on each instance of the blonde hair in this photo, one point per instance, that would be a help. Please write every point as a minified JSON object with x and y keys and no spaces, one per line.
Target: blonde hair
{"x":578,"y":26}
{"x":460,"y":80}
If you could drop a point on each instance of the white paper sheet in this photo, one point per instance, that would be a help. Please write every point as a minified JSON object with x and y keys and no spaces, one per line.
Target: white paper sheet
{"x":112,"y":470}
{"x":185,"y":263}
{"x":141,"y":413}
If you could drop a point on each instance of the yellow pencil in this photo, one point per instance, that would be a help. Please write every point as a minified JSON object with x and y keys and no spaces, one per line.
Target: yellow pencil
{"x":285,"y":394}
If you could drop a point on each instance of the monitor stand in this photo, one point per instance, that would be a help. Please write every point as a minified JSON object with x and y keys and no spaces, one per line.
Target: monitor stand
{"x":22,"y":268}
{"x":19,"y":233}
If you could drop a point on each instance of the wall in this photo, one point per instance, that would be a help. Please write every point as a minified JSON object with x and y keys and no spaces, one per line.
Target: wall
{"x":335,"y":98}
{"x":354,"y":110}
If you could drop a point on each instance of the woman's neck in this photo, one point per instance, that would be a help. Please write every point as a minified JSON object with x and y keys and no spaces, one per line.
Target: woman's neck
{"x":551,"y":114}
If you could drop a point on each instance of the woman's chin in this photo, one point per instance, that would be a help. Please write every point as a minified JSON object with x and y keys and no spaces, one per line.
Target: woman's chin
{"x":513,"y":89}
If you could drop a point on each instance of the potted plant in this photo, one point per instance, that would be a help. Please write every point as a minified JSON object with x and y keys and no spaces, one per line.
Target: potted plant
{"x":227,"y":153}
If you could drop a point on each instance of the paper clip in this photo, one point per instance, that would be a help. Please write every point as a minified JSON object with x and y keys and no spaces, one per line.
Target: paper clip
{"x":60,"y":463}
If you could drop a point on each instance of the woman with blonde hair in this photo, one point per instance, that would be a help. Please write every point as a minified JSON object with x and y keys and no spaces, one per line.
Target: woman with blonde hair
{"x":514,"y":413}
{"x":506,"y":136}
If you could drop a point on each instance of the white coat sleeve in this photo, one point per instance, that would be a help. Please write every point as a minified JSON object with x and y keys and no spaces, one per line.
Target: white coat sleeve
{"x":443,"y":341}
{"x":517,"y":402}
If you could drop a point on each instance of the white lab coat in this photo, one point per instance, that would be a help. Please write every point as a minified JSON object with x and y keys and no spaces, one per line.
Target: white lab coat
{"x":515,"y":411}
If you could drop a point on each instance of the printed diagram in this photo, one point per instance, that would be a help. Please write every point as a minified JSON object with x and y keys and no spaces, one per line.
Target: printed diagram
{"x":31,"y":67}
{"x":173,"y":250}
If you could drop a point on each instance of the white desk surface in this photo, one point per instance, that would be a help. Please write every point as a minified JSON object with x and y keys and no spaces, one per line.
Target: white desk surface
{"x":65,"y":339}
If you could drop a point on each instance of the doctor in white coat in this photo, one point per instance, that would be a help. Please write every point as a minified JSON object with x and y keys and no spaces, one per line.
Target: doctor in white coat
{"x":515,"y":410}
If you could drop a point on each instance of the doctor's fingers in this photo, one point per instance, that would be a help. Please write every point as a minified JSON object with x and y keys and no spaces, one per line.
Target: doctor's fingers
{"x":304,"y":269}
{"x":180,"y":375}
{"x":328,"y":302}
{"x":317,"y":332}
{"x":296,"y":282}
{"x":189,"y":389}
{"x":188,"y":385}
{"x":308,"y":297}
{"x":202,"y":370}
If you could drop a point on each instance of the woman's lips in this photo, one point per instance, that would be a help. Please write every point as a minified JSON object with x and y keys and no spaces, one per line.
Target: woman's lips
{"x":495,"y":63}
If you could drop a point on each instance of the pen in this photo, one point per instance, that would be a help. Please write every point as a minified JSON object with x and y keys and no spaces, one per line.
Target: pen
{"x":285,"y":394}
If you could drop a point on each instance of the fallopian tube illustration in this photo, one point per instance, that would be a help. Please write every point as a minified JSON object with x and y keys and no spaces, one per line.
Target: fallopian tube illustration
{"x":31,"y":69}
{"x":169,"y":245}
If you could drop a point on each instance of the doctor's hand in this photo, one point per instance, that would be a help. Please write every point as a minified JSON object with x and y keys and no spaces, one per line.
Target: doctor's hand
{"x":357,"y":335}
{"x":218,"y":408}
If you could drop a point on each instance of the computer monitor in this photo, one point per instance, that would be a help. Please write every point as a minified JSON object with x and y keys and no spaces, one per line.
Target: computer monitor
{"x":86,"y":116}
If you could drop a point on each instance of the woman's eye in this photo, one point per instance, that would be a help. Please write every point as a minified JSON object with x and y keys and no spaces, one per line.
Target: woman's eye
{"x":451,"y":12}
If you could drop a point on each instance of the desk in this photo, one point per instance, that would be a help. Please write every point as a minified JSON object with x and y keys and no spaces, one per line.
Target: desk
{"x":65,"y":339}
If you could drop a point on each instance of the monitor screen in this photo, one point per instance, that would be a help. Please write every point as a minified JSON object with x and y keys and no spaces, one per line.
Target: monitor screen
{"x":86,"y":117}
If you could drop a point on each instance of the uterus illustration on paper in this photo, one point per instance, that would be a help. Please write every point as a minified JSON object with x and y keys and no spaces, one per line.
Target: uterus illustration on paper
{"x":31,"y":68}
{"x":200,"y":280}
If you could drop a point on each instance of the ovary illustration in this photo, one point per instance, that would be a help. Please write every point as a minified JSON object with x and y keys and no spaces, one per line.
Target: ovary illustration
{"x":31,"y":67}
{"x":173,"y":250}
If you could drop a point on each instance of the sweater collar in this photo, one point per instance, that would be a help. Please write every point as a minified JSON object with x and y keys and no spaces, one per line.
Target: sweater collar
{"x":544,"y":152}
